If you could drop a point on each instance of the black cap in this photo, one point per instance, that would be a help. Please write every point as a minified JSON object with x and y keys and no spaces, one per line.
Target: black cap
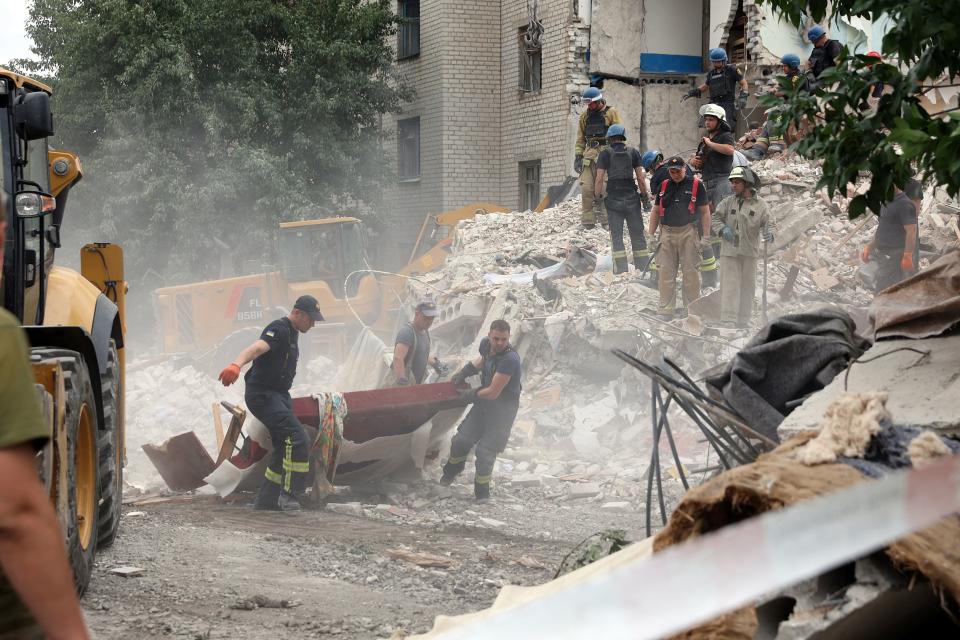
{"x":427,"y":308}
{"x":675,"y":162}
{"x":310,"y":306}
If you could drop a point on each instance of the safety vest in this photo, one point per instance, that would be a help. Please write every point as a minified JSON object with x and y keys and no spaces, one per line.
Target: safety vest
{"x":595,"y":127}
{"x":693,"y":196}
{"x":721,"y":83}
{"x":621,"y":164}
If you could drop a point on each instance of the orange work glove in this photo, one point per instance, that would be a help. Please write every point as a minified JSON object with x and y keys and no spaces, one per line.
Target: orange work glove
{"x":229,"y":375}
{"x":865,"y":254}
{"x":906,"y":262}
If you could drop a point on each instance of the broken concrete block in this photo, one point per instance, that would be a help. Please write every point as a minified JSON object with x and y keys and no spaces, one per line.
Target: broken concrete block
{"x":493,"y":524}
{"x":346,"y":508}
{"x":584,"y":490}
{"x":128,"y":572}
{"x":529,"y":480}
{"x":615,"y":506}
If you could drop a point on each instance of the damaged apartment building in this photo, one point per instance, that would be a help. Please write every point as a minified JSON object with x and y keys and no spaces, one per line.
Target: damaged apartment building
{"x":498,"y":87}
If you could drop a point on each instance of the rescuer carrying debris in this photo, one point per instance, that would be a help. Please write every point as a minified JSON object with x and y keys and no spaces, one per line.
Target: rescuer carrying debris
{"x":591,"y":138}
{"x":617,"y":166}
{"x":825,"y":51}
{"x":494,"y":409}
{"x":682,"y":214}
{"x":741,"y":220}
{"x":267,"y":396}
{"x":722,"y":82}
{"x":894,"y":246}
{"x":411,"y":349}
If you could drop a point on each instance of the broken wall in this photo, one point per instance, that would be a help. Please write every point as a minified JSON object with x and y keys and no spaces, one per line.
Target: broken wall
{"x":616,"y":38}
{"x":668,"y":124}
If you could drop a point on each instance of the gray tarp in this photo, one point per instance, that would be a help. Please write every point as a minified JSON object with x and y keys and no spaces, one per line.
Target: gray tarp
{"x":786,"y":361}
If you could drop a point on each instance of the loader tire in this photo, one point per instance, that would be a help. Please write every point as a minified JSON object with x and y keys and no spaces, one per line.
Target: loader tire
{"x":82,"y":490}
{"x":111,"y":451}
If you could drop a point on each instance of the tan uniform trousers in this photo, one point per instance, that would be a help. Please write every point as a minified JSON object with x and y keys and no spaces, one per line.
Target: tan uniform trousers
{"x":588,"y":179}
{"x":679,"y":248}
{"x":738,"y":284}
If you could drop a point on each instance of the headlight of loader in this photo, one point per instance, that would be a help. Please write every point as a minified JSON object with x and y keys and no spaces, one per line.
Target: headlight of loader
{"x":31,"y":205}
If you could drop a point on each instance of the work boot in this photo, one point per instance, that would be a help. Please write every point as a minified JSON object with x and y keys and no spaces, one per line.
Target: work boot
{"x":267,"y":497}
{"x":288,"y":502}
{"x":481,"y":491}
{"x":447,"y":478}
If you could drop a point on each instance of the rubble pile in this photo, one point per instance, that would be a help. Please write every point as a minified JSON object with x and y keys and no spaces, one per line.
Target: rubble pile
{"x":582,"y":415}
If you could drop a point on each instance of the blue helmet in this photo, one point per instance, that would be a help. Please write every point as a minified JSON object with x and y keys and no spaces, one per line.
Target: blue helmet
{"x":592,"y":95}
{"x":648,"y":158}
{"x":791,"y":60}
{"x":718,"y":55}
{"x":815,"y":32}
{"x":616,"y":130}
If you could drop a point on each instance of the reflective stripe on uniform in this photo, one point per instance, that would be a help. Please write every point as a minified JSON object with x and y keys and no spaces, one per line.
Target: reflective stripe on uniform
{"x":482,"y":480}
{"x":710,"y":264}
{"x":287,"y":459}
{"x":641,"y":253}
{"x":296,"y":467}
{"x":273,"y":476}
{"x":456,"y":459}
{"x":619,"y":254}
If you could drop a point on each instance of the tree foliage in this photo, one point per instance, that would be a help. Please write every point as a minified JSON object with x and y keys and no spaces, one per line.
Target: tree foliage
{"x":197,"y":120}
{"x":899,"y":139}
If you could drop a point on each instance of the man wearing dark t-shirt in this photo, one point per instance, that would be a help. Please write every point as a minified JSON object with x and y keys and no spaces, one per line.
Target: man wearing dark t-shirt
{"x":894,"y":245}
{"x":488,"y":424}
{"x":411,"y":349}
{"x":267,"y":396}
{"x":714,"y":157}
{"x":619,"y":171}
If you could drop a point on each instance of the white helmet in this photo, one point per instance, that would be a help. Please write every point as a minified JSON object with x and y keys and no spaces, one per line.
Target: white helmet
{"x":714,"y":110}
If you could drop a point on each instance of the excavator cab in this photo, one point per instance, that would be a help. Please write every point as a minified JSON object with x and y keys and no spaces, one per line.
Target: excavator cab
{"x":323,"y":250}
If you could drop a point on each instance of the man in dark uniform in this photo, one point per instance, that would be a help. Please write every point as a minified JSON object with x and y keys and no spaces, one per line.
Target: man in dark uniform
{"x":722,"y":82}
{"x":494,"y":409}
{"x":714,"y":159}
{"x":790,"y":63}
{"x":267,"y":395}
{"x":682,"y":213}
{"x":894,"y":247}
{"x":411,"y":349}
{"x":825,"y":51}
{"x":617,"y":166}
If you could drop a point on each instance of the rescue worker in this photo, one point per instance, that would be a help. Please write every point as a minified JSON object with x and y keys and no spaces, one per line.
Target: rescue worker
{"x":790,"y":64}
{"x":591,"y":138}
{"x":267,"y":396}
{"x":825,"y":51}
{"x":411,"y":349}
{"x":488,"y":424}
{"x":714,"y":158}
{"x":37,"y":596}
{"x":682,"y":213}
{"x":741,"y":221}
{"x":722,"y":82}
{"x":653,"y":165}
{"x":617,"y":166}
{"x":894,"y":246}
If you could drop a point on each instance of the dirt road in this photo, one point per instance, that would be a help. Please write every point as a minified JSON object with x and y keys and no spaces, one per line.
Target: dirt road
{"x":202,"y":557}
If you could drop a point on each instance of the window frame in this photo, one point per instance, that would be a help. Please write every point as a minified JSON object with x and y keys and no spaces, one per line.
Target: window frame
{"x":406,"y":156}
{"x":526,"y":203}
{"x":530,"y":66}
{"x":408,"y":31}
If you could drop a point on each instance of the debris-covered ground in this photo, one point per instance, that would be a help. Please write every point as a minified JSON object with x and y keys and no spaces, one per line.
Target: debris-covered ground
{"x":577,"y":462}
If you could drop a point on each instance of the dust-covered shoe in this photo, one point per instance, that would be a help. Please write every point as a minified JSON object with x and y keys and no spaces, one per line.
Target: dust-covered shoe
{"x":288,"y":502}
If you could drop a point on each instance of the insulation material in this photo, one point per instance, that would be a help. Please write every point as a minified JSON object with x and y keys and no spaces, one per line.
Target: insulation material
{"x":925,"y":448}
{"x":847,"y":427}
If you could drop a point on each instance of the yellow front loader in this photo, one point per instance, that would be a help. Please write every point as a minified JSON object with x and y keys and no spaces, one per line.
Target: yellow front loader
{"x":74,"y":322}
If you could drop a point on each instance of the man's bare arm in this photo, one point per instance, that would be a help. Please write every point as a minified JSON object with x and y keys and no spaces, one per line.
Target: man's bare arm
{"x":251,"y":353}
{"x":31,"y":547}
{"x":599,"y":183}
{"x":497,"y":385}
{"x":400,"y":351}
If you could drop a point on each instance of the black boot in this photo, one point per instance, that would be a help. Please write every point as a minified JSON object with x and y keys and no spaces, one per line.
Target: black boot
{"x":481,"y":491}
{"x":450,"y":473}
{"x":288,"y":502}
{"x":267,"y":497}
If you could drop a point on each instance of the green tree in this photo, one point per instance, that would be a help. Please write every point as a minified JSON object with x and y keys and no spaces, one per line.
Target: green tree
{"x":900,"y":139}
{"x":197,"y":120}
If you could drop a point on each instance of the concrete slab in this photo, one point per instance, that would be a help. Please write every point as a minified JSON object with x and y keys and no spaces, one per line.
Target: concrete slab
{"x":627,"y":99}
{"x":668,"y":124}
{"x":923,"y":388}
{"x":614,"y":43}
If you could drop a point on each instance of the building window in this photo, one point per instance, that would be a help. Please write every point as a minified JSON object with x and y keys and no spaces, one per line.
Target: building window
{"x":529,"y":185}
{"x":530,"y":59}
{"x":408,"y":149}
{"x":408,"y":36}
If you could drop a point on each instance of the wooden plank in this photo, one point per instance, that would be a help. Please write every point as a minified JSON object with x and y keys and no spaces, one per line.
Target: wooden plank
{"x":233,"y":431}
{"x":217,"y":424}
